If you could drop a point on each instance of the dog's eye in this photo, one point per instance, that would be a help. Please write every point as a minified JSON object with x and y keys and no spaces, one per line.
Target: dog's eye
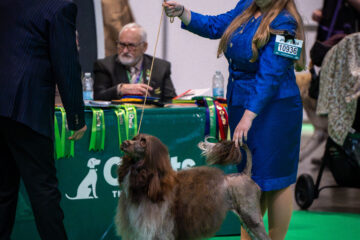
{"x":143,"y":141}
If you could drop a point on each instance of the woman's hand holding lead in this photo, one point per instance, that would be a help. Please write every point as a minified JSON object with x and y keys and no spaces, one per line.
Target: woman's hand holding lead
{"x":174,"y":9}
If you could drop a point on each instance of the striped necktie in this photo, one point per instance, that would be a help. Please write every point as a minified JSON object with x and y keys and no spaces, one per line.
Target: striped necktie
{"x":133,"y":74}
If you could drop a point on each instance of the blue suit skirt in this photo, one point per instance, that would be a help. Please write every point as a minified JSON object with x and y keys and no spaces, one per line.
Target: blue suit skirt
{"x":274,"y":141}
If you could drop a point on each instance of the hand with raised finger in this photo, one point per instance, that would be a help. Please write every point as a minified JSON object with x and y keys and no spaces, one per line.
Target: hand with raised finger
{"x":135,"y":89}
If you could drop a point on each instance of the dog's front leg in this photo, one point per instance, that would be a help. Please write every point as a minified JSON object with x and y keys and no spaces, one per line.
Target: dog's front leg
{"x":254,"y":226}
{"x":93,"y":187}
{"x":94,"y":191}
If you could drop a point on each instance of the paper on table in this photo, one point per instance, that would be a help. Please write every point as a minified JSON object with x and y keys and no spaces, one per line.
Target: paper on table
{"x":187,"y":95}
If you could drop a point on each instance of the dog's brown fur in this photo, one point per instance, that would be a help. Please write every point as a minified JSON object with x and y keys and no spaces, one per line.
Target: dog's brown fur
{"x":159,"y":203}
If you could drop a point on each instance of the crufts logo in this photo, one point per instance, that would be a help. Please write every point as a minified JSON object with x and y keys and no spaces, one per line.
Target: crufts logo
{"x":87,"y":187}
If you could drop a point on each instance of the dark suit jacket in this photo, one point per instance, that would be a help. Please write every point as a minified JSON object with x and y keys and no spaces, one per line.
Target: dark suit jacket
{"x":38,"y":49}
{"x":109,"y":72}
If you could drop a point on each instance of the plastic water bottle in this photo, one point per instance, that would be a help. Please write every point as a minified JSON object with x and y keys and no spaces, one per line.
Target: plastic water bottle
{"x":218,"y":84}
{"x":88,"y":87}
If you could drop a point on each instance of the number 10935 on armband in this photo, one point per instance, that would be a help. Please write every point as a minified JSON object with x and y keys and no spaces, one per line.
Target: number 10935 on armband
{"x":290,"y":49}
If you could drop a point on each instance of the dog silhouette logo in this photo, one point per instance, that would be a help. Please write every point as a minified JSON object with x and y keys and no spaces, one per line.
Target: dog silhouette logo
{"x":87,"y":187}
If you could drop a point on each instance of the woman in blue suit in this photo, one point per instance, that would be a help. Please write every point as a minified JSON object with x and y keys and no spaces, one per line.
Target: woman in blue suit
{"x":264,"y":102}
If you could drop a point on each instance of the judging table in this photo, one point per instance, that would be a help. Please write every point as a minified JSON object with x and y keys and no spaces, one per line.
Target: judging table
{"x":88,"y":181}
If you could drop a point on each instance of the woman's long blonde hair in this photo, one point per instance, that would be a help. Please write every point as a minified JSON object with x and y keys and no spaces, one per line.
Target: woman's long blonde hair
{"x":262,"y":34}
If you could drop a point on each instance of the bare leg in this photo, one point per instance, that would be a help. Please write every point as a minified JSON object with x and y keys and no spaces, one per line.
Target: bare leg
{"x":244,"y":234}
{"x":279,"y":212}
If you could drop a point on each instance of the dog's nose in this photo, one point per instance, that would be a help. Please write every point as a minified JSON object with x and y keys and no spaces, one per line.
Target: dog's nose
{"x":125,"y":144}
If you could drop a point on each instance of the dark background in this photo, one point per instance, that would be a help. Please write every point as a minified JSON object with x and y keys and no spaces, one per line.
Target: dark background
{"x":85,"y":23}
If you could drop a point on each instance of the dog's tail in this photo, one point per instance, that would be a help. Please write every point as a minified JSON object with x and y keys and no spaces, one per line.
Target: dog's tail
{"x":71,"y":198}
{"x":224,"y":153}
{"x":248,"y":167}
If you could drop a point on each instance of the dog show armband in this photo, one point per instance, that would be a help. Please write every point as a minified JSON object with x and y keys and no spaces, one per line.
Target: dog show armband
{"x":287,"y":46}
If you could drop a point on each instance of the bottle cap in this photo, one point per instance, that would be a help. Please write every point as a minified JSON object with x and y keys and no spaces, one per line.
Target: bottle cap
{"x":87,"y":74}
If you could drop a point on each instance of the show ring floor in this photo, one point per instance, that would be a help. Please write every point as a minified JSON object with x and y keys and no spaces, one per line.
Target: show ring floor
{"x":334,"y":215}
{"x":307,"y":225}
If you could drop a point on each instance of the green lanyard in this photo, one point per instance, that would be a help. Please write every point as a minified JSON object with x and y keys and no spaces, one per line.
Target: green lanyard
{"x":138,"y":79}
{"x":64,"y":147}
{"x":97,"y":139}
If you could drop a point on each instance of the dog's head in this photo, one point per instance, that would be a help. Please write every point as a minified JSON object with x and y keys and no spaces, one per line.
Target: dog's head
{"x":93,"y":162}
{"x":147,"y":160}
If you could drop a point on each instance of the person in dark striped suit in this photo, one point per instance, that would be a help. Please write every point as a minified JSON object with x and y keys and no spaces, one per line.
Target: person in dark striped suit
{"x":38,"y":50}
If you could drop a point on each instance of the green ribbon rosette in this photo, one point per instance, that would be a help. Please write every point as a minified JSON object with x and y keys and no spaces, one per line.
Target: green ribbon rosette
{"x":64,"y":147}
{"x":97,"y":139}
{"x":127,"y":122}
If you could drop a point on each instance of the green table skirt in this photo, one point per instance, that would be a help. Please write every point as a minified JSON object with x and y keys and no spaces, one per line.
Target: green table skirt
{"x":91,"y":217}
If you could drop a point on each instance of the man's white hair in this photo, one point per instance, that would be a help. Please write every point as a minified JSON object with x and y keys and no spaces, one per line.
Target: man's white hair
{"x":142,"y":31}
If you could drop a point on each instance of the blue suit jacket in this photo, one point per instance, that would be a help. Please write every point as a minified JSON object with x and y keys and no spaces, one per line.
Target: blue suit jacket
{"x":251,"y":85}
{"x":38,"y":49}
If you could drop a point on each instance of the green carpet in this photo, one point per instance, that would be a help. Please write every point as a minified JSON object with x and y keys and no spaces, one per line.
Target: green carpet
{"x":306,"y":225}
{"x":307,"y":128}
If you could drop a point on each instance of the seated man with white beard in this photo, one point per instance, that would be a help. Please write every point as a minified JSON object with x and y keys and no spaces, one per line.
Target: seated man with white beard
{"x":127,"y":72}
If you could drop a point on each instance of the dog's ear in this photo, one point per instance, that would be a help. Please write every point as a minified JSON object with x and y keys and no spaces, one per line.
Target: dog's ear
{"x":90,"y":163}
{"x":157,"y":155}
{"x":155,"y":192}
{"x":157,"y":160}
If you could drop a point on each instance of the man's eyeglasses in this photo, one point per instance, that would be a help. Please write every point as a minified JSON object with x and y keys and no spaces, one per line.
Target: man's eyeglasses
{"x":130,"y":46}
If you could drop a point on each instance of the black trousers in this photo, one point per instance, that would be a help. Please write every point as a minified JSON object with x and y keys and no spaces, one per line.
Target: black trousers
{"x":28,"y":155}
